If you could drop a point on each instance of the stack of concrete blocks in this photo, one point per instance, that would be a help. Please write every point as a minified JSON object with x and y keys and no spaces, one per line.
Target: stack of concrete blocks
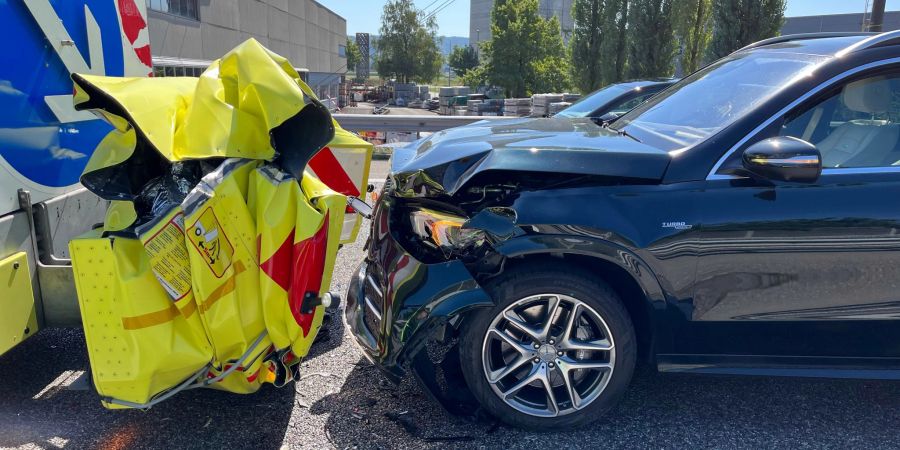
{"x":486,"y":107}
{"x":446,"y":94}
{"x":540,"y":104}
{"x":517,"y":107}
{"x":407,"y":91}
{"x":423,"y":92}
{"x":472,"y":107}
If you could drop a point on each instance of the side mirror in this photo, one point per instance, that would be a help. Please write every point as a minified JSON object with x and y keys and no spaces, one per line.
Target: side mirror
{"x":784,"y":158}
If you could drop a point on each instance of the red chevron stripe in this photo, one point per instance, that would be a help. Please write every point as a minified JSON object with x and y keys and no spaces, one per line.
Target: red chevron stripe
{"x":330,"y":171}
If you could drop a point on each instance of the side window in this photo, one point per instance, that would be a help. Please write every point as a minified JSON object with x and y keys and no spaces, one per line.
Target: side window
{"x":856,"y":125}
{"x":630,"y":104}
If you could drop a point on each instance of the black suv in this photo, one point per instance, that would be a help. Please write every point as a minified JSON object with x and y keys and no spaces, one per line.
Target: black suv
{"x":746,"y":221}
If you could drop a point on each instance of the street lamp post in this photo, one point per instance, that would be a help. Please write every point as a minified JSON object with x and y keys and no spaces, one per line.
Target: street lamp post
{"x":477,"y":40}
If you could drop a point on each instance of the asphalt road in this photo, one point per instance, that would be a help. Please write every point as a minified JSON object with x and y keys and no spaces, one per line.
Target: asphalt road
{"x":342,"y":402}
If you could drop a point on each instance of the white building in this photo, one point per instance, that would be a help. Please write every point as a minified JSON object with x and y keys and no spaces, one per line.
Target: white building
{"x":480,"y":17}
{"x":186,"y":35}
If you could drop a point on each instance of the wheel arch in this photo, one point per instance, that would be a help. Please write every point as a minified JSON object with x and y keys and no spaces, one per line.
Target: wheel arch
{"x":632,"y":279}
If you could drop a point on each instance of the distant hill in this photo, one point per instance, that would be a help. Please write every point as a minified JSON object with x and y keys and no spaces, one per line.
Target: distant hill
{"x":453,"y":41}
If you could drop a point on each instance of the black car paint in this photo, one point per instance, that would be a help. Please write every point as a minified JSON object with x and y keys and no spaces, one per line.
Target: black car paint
{"x":417,"y":298}
{"x":448,"y":160}
{"x":737,"y":276}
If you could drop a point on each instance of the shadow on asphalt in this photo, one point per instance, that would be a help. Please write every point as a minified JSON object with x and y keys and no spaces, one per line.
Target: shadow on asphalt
{"x":659,"y":411}
{"x":75,"y":419}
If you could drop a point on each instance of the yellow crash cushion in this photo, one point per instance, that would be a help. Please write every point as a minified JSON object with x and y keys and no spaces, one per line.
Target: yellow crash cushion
{"x":18,"y":319}
{"x":138,"y":342}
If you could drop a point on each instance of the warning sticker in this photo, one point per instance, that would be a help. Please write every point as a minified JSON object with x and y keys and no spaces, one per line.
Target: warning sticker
{"x":209,"y":239}
{"x":168,"y":254}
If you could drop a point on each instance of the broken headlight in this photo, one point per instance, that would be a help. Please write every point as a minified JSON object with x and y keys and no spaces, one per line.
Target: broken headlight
{"x":444,"y":231}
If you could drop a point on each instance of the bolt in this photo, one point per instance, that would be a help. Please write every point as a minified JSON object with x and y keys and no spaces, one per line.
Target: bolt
{"x":559,"y":353}
{"x":551,"y":342}
{"x":537,"y":360}
{"x":551,"y":365}
{"x":16,"y":265}
{"x":537,"y":346}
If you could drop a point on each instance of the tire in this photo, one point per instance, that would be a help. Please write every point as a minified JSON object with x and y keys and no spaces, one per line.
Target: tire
{"x":520,"y":287}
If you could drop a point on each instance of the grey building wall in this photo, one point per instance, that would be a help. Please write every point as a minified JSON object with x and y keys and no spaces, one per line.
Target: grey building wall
{"x":835,"y":22}
{"x":307,"y":33}
{"x":480,"y":17}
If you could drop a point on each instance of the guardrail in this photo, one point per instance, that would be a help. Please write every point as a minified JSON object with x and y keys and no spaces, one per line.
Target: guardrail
{"x":372,"y":122}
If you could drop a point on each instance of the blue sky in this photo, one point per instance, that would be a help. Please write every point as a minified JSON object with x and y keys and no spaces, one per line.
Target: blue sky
{"x":365,"y":15}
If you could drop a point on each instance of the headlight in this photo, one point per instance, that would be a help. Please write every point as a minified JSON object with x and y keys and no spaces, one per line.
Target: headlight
{"x":443,"y":230}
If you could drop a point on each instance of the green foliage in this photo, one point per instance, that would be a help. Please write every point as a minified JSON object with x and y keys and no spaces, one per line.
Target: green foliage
{"x":550,"y":75}
{"x":741,"y":22}
{"x":526,"y":54}
{"x":407,"y":48}
{"x":354,"y":56}
{"x":585,"y":45}
{"x":614,"y":45}
{"x":463,"y":59}
{"x":652,"y":40}
{"x":475,"y":77}
{"x":693,"y":29}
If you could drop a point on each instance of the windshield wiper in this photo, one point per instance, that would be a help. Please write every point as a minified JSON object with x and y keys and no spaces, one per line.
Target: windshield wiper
{"x":622,"y":132}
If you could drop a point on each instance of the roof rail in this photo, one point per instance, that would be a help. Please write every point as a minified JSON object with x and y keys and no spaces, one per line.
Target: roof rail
{"x":878,"y":40}
{"x":805,"y":36}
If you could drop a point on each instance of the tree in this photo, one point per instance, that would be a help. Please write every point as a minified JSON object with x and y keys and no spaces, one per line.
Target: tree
{"x":741,"y":22}
{"x":652,"y":40}
{"x":585,"y":46}
{"x":615,"y":19}
{"x":354,"y":57}
{"x":463,"y":59}
{"x":693,"y":30}
{"x":407,"y":47}
{"x":526,"y":53}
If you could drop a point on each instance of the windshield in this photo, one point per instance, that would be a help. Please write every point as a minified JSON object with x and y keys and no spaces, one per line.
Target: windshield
{"x":586,"y":106}
{"x":704,"y":103}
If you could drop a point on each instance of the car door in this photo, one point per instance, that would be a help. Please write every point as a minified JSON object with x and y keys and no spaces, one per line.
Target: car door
{"x":809,"y":270}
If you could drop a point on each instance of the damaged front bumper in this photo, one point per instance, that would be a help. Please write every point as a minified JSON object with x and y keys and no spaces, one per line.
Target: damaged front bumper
{"x":396,"y":303}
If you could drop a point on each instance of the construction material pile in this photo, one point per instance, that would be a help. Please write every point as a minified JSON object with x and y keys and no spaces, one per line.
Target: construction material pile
{"x":540,"y":104}
{"x":517,"y":107}
{"x":446,"y":96}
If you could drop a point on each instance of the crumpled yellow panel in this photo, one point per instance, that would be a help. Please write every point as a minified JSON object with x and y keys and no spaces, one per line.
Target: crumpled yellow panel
{"x":202,"y":293}
{"x":227,"y":112}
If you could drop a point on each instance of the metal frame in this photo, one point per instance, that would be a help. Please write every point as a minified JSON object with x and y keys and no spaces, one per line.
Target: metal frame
{"x":372,"y":122}
{"x":712,"y":175}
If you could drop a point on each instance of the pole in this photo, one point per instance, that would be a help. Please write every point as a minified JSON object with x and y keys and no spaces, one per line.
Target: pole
{"x":877,"y":16}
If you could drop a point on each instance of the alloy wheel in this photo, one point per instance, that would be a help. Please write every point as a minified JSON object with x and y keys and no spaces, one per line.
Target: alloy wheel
{"x":548,"y":355}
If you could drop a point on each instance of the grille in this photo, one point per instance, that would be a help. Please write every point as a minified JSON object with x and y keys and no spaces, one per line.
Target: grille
{"x":373,"y":301}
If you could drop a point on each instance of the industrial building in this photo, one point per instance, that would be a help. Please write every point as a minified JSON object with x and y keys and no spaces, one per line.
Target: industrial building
{"x":480,"y":17}
{"x":186,"y":35}
{"x":836,"y":22}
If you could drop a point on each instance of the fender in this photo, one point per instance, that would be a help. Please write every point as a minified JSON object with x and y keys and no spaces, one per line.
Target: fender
{"x":596,"y":248}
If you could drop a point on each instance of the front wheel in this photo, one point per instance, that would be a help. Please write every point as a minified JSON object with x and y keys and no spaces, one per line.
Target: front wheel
{"x":557,"y":351}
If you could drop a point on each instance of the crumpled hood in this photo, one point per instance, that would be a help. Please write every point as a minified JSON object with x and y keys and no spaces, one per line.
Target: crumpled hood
{"x":447,"y":160}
